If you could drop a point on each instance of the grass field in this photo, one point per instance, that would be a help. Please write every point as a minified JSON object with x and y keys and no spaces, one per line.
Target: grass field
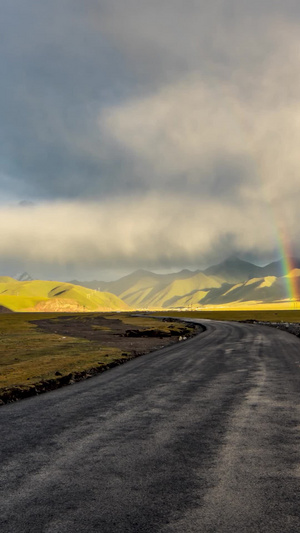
{"x":32,"y":360}
{"x":261,"y":315}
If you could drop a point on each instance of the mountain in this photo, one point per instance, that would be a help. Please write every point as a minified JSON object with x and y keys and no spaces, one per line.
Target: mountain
{"x":259,"y":290}
{"x":232,"y":281}
{"x":24,"y":276}
{"x":144,"y":289}
{"x":141,"y":278}
{"x":234,"y":270}
{"x":276,"y":269}
{"x":40,"y":295}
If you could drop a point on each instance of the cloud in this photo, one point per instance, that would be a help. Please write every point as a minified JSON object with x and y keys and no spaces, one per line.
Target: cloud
{"x":166,"y":41}
{"x":186,"y":129}
{"x":62,"y":65}
{"x":180,"y":120}
{"x":55,"y":71}
{"x":216,"y":139}
{"x":141,"y":231}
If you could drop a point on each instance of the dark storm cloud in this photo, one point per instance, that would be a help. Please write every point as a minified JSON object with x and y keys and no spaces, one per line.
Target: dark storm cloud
{"x":63,"y":61}
{"x":56,"y":70}
{"x":115,"y":113}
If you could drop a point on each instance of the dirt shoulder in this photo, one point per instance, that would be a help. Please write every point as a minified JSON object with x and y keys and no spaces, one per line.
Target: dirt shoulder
{"x":43,"y":353}
{"x":290,"y":327}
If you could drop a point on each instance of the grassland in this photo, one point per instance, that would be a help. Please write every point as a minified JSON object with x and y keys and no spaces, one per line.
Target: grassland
{"x":261,"y":315}
{"x":43,"y":351}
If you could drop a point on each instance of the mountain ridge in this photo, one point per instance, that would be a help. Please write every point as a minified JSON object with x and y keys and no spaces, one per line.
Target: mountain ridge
{"x":232,"y":280}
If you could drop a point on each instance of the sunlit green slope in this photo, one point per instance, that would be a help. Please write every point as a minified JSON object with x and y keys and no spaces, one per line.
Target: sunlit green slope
{"x":6,"y":279}
{"x":143,"y":289}
{"x":40,"y":295}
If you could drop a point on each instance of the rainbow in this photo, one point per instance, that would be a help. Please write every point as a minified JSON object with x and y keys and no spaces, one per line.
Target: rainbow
{"x":288,"y":266}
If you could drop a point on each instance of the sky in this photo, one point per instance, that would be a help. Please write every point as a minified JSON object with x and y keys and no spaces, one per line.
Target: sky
{"x":136,"y":134}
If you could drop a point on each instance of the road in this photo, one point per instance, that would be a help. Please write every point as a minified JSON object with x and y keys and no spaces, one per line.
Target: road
{"x":202,"y":436}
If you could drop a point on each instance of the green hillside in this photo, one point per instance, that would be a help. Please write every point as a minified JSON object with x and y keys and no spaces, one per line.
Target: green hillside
{"x":6,"y":279}
{"x":40,"y":295}
{"x":182,"y":288}
{"x":144,"y":289}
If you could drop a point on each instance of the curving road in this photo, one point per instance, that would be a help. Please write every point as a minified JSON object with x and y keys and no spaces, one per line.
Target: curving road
{"x":199,"y":437}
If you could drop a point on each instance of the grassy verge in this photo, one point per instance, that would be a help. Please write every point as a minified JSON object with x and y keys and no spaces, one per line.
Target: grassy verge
{"x":33,"y":360}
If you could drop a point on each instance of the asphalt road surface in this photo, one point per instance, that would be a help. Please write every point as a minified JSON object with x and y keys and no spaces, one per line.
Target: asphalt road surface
{"x":202,"y":436}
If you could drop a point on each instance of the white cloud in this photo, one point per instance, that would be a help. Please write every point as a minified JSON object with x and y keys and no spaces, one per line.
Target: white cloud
{"x":144,"y":231}
{"x":182,"y":128}
{"x":204,"y":131}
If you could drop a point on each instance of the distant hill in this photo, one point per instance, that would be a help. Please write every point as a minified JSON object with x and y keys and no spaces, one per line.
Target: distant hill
{"x":24,"y":276}
{"x":234,"y":270}
{"x":275,"y":269}
{"x":144,"y":289}
{"x":40,"y":295}
{"x":231,"y":281}
{"x":143,"y":278}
